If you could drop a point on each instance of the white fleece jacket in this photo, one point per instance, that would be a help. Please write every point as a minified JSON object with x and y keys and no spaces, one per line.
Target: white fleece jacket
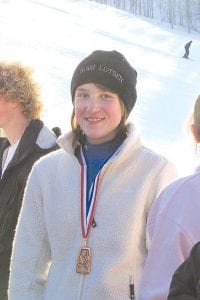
{"x":48,"y":236}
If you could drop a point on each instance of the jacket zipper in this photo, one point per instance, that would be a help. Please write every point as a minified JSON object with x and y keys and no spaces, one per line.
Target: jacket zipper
{"x":80,"y":287}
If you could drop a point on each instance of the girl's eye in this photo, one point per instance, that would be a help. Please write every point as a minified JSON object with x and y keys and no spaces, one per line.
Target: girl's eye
{"x":106,"y":96}
{"x":82,"y":95}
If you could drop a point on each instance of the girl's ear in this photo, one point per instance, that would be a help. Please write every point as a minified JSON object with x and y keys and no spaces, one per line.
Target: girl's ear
{"x":195,"y":133}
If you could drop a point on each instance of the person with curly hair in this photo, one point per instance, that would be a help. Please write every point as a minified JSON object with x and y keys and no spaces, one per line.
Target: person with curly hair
{"x":26,"y":140}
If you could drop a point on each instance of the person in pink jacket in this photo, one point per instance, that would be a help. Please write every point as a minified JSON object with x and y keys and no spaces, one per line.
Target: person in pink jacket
{"x":173,"y":228}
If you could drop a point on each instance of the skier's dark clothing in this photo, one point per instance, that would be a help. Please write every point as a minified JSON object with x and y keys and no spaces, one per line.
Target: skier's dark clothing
{"x":187,"y":47}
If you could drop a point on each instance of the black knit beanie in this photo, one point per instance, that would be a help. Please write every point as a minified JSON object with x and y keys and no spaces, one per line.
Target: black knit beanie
{"x":110,"y":69}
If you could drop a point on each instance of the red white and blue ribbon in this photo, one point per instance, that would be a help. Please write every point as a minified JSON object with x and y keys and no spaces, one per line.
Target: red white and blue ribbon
{"x":87,"y":218}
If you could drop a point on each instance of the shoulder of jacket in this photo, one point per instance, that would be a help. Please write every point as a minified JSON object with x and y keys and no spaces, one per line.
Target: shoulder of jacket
{"x":134,"y":144}
{"x":46,"y":138}
{"x":195,"y":255}
{"x":153,"y":156}
{"x":186,"y":183}
{"x":197,"y":246}
{"x":53,"y":158}
{"x":196,"y":249}
{"x":175,"y":197}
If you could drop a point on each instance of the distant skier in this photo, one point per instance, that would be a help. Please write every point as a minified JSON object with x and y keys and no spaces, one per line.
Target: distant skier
{"x":187,"y":47}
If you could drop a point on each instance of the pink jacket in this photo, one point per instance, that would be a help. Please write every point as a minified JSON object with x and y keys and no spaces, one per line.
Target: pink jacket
{"x":173,"y":228}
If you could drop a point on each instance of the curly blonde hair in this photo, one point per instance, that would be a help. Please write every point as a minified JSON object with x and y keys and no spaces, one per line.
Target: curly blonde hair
{"x":17,"y":84}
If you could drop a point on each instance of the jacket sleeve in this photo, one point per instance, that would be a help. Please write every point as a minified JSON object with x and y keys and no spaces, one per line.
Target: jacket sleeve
{"x":167,"y":174}
{"x":169,"y":245}
{"x":184,"y":285}
{"x":31,"y":255}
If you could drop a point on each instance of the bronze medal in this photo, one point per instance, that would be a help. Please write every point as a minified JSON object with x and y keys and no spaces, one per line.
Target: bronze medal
{"x":83,"y":265}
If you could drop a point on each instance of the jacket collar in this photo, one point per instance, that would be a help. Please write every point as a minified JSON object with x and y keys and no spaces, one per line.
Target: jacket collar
{"x":4,"y":143}
{"x":36,"y":137}
{"x":132,"y":140}
{"x":28,"y":140}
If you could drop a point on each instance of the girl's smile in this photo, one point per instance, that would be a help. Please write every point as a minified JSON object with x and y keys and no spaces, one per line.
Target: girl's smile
{"x":98,"y":112}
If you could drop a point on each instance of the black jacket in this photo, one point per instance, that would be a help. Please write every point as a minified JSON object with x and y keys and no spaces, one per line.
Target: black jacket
{"x":36,"y":141}
{"x":187,"y":46}
{"x":185,"y":283}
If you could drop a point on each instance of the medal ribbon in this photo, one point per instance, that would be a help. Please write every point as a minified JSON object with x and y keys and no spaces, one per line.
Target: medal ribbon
{"x":87,"y":218}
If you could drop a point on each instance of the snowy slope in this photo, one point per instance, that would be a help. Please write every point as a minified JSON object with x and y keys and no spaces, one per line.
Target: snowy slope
{"x":53,"y":36}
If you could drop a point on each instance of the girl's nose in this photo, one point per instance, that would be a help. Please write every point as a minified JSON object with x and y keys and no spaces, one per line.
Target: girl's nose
{"x":93,"y":104}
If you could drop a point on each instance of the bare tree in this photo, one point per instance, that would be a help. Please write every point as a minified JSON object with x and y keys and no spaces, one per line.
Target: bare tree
{"x":182,"y":12}
{"x":150,"y":8}
{"x":171,"y":13}
{"x":188,"y":14}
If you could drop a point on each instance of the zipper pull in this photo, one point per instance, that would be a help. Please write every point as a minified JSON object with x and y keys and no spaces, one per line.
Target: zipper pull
{"x":131,"y":288}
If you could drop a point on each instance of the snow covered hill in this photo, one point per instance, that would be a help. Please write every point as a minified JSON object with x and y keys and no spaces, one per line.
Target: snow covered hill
{"x":53,"y":36}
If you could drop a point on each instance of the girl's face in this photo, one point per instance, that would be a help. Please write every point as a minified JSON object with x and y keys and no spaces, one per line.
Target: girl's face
{"x":98,"y":112}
